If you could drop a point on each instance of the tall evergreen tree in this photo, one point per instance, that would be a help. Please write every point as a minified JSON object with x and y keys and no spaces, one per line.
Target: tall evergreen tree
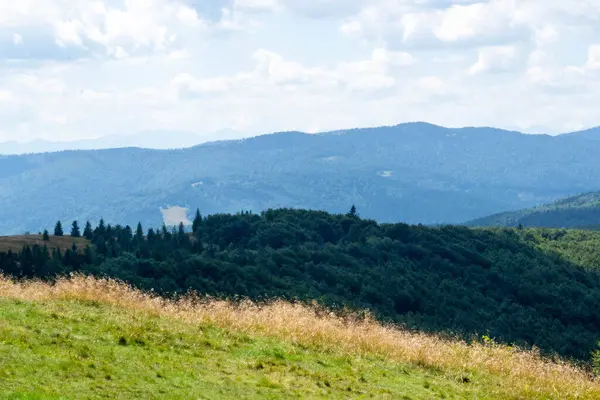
{"x":88,"y":233}
{"x":100,"y":229}
{"x":165,"y":232}
{"x":75,"y":232}
{"x":151,"y":236}
{"x":45,"y":236}
{"x":139,"y":234}
{"x":197,"y":221}
{"x":88,"y":255}
{"x":182,"y":237}
{"x":352,"y":213}
{"x":58,"y":230}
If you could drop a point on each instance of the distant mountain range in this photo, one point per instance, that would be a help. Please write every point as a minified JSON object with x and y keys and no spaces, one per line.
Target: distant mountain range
{"x":581,"y":211}
{"x":416,"y":172}
{"x":160,"y":140}
{"x":590,"y":134}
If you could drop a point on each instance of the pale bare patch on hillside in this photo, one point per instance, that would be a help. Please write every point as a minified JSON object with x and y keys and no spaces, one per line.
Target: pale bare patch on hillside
{"x":510,"y":372}
{"x":175,"y":215}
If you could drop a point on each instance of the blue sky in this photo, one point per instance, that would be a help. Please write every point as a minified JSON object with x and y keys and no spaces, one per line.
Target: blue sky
{"x":74,"y":69}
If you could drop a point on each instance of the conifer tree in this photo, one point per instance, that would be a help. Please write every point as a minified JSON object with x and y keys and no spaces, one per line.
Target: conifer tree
{"x":88,"y":256}
{"x":100,"y":229}
{"x":58,"y":230}
{"x":58,"y":255}
{"x":75,"y":232}
{"x":182,"y":238}
{"x":165,"y":232}
{"x":151,"y":236}
{"x":45,"y":236}
{"x":139,"y":233}
{"x":197,"y":221}
{"x":88,"y":233}
{"x":352,"y":212}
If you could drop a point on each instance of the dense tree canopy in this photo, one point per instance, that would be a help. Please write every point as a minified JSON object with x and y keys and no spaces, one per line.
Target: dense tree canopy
{"x":581,"y":211}
{"x":529,"y":287}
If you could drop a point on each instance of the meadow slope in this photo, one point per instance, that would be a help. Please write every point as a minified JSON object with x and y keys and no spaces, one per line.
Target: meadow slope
{"x":16,"y":243}
{"x":92,"y":338}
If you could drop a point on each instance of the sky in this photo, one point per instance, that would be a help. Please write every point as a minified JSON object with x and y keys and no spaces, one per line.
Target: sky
{"x":76,"y":69}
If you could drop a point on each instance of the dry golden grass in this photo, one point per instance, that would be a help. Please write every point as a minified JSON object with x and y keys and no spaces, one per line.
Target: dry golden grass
{"x":512,"y":373}
{"x":16,"y":243}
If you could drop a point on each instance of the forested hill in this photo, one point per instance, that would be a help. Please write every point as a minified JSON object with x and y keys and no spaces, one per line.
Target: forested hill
{"x":582,"y":211}
{"x":529,"y":287}
{"x":416,"y":173}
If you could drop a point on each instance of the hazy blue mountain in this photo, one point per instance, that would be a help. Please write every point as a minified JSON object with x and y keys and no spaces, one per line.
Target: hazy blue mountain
{"x":581,"y":211}
{"x":590,"y":134}
{"x":147,"y":139}
{"x":418,"y":173}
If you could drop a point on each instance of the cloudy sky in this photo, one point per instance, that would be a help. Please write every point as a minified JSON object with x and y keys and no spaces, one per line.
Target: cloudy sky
{"x":72,"y":69}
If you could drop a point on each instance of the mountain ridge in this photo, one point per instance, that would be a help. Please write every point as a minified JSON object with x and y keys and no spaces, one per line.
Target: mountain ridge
{"x":184,"y":140}
{"x":415,"y":173}
{"x":151,"y":139}
{"x":580,"y":211}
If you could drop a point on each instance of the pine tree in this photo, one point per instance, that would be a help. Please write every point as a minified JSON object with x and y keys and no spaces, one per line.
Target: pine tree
{"x":45,"y":236}
{"x":75,"y":232}
{"x":151,"y":236}
{"x":88,"y":233}
{"x":352,"y":212}
{"x":58,"y":255}
{"x":100,"y":229}
{"x":88,"y":256}
{"x":182,"y":238}
{"x":197,"y":221}
{"x":139,"y":234}
{"x":58,"y":230}
{"x":165,"y":232}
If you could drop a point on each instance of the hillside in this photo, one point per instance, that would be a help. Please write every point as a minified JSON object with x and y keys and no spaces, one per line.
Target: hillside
{"x":87,"y":338}
{"x":530,"y":287}
{"x":146,"y":139}
{"x":590,"y":134}
{"x":16,"y":243}
{"x":582,"y":211}
{"x":416,"y":173}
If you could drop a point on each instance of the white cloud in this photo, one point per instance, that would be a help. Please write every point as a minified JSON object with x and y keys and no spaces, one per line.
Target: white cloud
{"x":274,"y":72}
{"x":257,"y":5}
{"x":117,"y":26}
{"x":494,"y":20}
{"x":310,"y":8}
{"x":17,"y":39}
{"x":74,"y":68}
{"x":468,"y":23}
{"x":593,"y":61}
{"x":495,"y":59}
{"x":5,"y":95}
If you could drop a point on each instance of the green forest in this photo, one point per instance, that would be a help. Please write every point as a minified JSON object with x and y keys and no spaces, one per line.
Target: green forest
{"x":528,"y":287}
{"x":579,"y":212}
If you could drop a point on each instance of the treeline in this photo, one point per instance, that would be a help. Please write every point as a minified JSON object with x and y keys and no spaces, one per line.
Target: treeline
{"x":506,"y":284}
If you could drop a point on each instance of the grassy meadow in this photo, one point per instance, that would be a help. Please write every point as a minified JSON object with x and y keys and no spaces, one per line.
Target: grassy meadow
{"x":89,"y":338}
{"x":16,"y":243}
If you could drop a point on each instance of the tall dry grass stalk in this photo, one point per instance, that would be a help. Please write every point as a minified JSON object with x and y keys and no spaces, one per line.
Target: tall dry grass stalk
{"x":521,"y":374}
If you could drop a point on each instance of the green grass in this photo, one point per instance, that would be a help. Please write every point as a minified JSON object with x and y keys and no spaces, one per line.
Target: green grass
{"x":63,"y":349}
